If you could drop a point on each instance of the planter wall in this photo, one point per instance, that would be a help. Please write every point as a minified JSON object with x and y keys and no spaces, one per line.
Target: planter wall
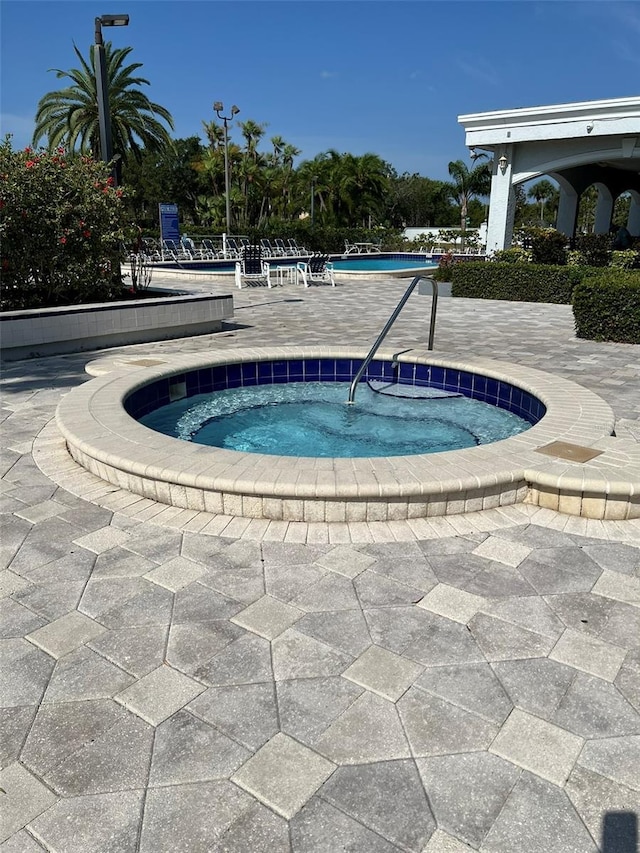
{"x":75,"y":328}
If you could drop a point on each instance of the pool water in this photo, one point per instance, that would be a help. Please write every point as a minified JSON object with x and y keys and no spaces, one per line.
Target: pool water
{"x":313,"y":419}
{"x":357,"y":263}
{"x":381,"y":264}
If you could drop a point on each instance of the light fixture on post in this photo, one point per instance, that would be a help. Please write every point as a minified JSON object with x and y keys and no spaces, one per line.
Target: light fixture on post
{"x":218,"y":107}
{"x":102,"y":85}
{"x":503,"y":163}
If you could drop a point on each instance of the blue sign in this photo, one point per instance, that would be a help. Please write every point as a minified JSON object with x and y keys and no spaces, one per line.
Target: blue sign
{"x":169,"y":226}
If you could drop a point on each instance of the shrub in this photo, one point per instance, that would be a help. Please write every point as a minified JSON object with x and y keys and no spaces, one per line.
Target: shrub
{"x":514,"y":255}
{"x":515,"y":282}
{"x":625,"y":259}
{"x":449,"y":237}
{"x":61,"y":227}
{"x":606,"y":307}
{"x":594,"y":249}
{"x":423,"y":242}
{"x":548,"y":246}
{"x":575,"y":258}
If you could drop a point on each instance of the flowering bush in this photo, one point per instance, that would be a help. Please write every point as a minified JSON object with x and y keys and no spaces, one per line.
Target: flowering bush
{"x":445,"y":267}
{"x":61,"y":228}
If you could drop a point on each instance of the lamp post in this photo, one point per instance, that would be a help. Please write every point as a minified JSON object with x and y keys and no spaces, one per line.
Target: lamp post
{"x":102,"y":84}
{"x":218,"y":107}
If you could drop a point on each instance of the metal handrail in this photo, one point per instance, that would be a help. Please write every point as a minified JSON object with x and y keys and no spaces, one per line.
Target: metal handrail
{"x":389,"y":324}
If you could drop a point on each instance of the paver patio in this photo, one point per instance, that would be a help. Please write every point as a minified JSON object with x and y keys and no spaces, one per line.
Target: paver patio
{"x":173,"y":682}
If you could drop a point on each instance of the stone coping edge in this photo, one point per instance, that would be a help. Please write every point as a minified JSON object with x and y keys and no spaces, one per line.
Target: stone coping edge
{"x":109,"y":443}
{"x":171,"y":298}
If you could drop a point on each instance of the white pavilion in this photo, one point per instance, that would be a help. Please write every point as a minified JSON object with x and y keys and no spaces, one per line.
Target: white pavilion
{"x":578,"y":145}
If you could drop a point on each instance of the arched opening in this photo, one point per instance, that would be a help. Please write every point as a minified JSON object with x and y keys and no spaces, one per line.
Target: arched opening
{"x":633,"y":222}
{"x":587,"y":205}
{"x":600,"y":212}
{"x":621,"y":208}
{"x":537,"y":202}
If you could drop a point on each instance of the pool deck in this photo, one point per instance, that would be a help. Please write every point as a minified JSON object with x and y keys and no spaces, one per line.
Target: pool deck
{"x":181,"y":681}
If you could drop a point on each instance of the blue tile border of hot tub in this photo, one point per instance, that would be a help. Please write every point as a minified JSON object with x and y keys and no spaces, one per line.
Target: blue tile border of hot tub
{"x":206,"y":380}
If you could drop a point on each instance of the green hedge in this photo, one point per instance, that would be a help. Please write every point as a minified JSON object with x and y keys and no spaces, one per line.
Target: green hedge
{"x":514,"y":282}
{"x":606,"y":307}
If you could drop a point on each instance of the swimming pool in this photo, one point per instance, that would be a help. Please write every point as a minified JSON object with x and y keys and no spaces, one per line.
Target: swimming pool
{"x":391,"y":264}
{"x":386,"y":263}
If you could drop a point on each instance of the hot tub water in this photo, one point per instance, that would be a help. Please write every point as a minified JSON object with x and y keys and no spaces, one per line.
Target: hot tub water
{"x":312,"y":419}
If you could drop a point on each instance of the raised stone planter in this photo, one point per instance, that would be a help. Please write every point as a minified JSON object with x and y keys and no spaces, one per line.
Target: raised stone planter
{"x":76,"y":328}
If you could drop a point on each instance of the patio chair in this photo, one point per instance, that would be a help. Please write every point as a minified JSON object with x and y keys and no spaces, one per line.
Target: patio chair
{"x":281,"y":248}
{"x":232,"y":247}
{"x":149,"y":248}
{"x":172,"y":251}
{"x":270,"y":250}
{"x":252,"y":268}
{"x":208,"y":250}
{"x":294,"y":249}
{"x":317,"y":270}
{"x":189,"y":248}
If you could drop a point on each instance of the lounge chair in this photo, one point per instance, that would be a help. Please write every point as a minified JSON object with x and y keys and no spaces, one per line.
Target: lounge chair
{"x":149,"y":248}
{"x":294,"y":249}
{"x":172,"y":251}
{"x":270,"y":250}
{"x":317,"y":270}
{"x":232,"y":248}
{"x":281,"y":248}
{"x":252,"y":268}
{"x":208,"y":250}
{"x":189,"y":248}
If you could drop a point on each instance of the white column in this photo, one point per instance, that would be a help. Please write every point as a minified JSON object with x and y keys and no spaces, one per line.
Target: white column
{"x":501,"y":203}
{"x":633,"y":220}
{"x":567,"y":210}
{"x":604,"y":210}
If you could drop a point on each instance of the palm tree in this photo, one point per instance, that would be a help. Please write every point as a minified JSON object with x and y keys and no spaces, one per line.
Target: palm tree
{"x":466,"y":184}
{"x":315,"y":174}
{"x":586,"y":217}
{"x":69,"y":116}
{"x":214,"y":133}
{"x":289,"y":153}
{"x":278,"y":147}
{"x":249,"y":166}
{"x":253,"y":133}
{"x":364,"y":185}
{"x":542,"y":191}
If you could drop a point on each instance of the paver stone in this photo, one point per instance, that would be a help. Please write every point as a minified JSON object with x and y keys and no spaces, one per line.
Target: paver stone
{"x":283,"y":774}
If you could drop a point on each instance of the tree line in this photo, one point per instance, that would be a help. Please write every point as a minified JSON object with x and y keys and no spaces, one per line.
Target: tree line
{"x":269,"y":184}
{"x":268,"y":180}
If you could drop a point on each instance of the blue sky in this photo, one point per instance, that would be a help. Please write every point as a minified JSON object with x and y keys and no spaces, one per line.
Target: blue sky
{"x":383,"y":76}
